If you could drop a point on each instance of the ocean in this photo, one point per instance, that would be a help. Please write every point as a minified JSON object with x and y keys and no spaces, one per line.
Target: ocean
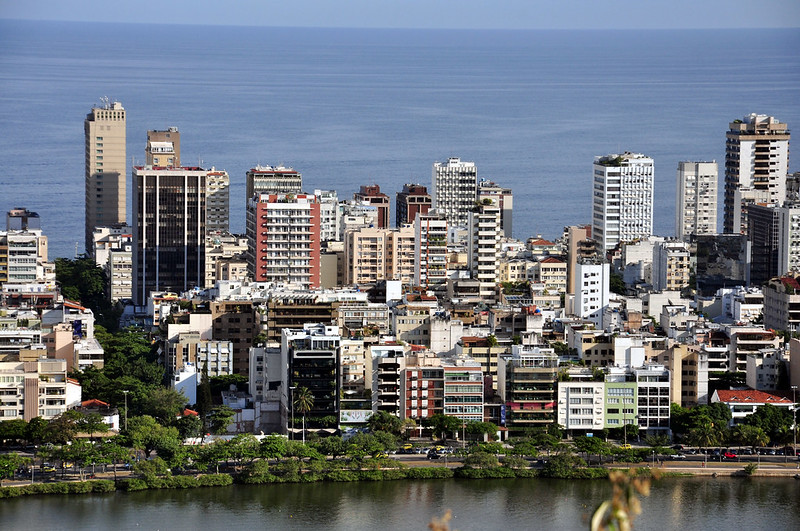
{"x":348,"y":107}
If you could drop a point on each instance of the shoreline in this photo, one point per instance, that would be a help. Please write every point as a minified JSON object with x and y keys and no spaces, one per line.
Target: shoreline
{"x":132,"y":484}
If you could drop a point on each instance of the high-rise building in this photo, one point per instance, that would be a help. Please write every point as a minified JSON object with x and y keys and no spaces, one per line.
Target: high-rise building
{"x":592,"y":293}
{"x":789,"y":238}
{"x":413,"y":200}
{"x":283,"y":239}
{"x":163,"y":148}
{"x":696,"y":199}
{"x":455,"y":186}
{"x":170,"y":224}
{"x":372,"y":254}
{"x":329,"y":218}
{"x":622,"y":206}
{"x":104,"y":133}
{"x":484,"y":245}
{"x":273,"y":180}
{"x":763,"y":233}
{"x":503,"y":198}
{"x":372,"y":195}
{"x":430,"y":250}
{"x":756,"y":164}
{"x":23,"y":251}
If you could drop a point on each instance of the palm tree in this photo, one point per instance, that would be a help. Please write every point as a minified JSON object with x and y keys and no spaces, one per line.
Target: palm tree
{"x":303,"y":402}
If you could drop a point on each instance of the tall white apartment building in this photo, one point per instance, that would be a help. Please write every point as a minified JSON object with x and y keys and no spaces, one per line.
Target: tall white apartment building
{"x":789,"y":238}
{"x":454,"y":190}
{"x":696,"y":199}
{"x":503,"y":198}
{"x":104,"y":135}
{"x":591,"y":290}
{"x":622,"y":204}
{"x":329,"y":218}
{"x":756,"y":164}
{"x":484,"y":245}
{"x":430,"y":250}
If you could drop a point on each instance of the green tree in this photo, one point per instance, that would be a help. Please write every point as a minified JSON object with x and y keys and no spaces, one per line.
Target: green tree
{"x":10,"y":463}
{"x":524,"y":446}
{"x":243,"y":449}
{"x":592,"y":446}
{"x":91,"y":423}
{"x":273,"y":447}
{"x":333,"y":446}
{"x":165,"y":405}
{"x":303,"y":403}
{"x":515,"y":462}
{"x":82,"y":453}
{"x":383,"y":421}
{"x":617,"y":284}
{"x":112,"y":452}
{"x":748,"y":435}
{"x":82,"y":280}
{"x":220,"y":418}
{"x":36,"y":431}
{"x":482,"y":428}
{"x":223,"y":382}
{"x":146,"y":434}
{"x":204,"y":398}
{"x":481,"y":460}
{"x":704,"y":434}
{"x":63,"y":428}
{"x":13,"y":431}
{"x":189,"y":426}
{"x":442,"y":424}
{"x":773,"y":420}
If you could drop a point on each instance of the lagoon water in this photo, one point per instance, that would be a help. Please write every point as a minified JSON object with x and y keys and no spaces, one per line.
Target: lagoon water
{"x":673,"y":504}
{"x":353,"y":107}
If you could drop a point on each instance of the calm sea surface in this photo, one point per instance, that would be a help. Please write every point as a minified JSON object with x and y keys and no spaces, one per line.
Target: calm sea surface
{"x":352,"y":107}
{"x":679,"y":504}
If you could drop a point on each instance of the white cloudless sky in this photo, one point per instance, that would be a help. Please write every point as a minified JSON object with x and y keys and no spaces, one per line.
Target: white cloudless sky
{"x":451,"y":14}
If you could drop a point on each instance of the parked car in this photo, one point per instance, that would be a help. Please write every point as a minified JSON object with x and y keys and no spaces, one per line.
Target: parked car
{"x":433,"y":455}
{"x":677,"y":447}
{"x":625,"y":446}
{"x":678,"y":456}
{"x":729,"y":455}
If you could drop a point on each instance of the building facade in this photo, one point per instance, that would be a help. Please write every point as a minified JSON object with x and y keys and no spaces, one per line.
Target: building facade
{"x":106,"y":193}
{"x":622,"y":204}
{"x":170,"y":227}
{"x":283,"y":239}
{"x":455,"y":186}
{"x":414,"y":199}
{"x":756,"y":165}
{"x":696,"y":199}
{"x":273,"y":180}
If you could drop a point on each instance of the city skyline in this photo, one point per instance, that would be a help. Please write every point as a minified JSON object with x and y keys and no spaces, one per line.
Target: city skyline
{"x":420,"y":14}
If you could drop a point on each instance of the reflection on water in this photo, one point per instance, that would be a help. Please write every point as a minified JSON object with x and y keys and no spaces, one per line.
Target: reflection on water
{"x":685,"y":503}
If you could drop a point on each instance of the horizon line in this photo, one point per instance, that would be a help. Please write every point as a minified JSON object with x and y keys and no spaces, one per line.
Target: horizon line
{"x":404,"y":28}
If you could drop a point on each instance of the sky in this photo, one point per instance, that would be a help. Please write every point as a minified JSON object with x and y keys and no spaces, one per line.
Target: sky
{"x":448,"y":14}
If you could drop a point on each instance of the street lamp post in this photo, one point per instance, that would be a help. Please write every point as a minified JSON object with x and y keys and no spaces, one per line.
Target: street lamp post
{"x":291,"y":391}
{"x":125,"y":392}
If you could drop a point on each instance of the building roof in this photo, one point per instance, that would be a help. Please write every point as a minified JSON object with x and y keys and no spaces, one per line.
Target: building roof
{"x":94,"y":403}
{"x":750,"y":396}
{"x":552,"y":260}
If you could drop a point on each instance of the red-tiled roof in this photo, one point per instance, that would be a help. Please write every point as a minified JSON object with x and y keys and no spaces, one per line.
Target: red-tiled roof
{"x":790,"y":282}
{"x":187,"y":412}
{"x":94,"y":403}
{"x":541,"y":242}
{"x":750,"y":396}
{"x":552,"y":260}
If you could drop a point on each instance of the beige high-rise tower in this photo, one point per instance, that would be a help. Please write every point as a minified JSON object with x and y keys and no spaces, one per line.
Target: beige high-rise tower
{"x":104,"y":130}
